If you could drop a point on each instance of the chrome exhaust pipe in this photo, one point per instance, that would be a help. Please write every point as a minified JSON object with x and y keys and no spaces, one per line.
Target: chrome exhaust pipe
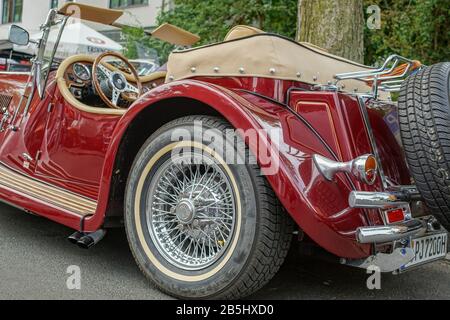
{"x":74,"y":238}
{"x":90,"y":240}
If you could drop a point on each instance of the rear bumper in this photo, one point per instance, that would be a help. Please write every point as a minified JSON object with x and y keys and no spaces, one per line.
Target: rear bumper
{"x":385,"y":234}
{"x":384,"y":201}
{"x":399,"y":239}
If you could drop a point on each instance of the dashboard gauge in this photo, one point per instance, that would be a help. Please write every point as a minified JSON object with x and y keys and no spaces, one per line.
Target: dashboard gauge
{"x":82,"y":72}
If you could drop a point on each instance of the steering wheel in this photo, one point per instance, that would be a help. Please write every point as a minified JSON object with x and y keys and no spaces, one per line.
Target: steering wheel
{"x":117,"y":85}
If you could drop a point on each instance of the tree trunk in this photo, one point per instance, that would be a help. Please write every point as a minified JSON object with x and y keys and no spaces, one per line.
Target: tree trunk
{"x":335,"y":25}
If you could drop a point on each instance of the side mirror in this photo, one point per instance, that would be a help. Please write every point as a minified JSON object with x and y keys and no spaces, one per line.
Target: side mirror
{"x":18,"y":36}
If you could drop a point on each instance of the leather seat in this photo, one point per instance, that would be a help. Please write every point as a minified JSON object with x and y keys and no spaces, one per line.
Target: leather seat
{"x":241,"y":31}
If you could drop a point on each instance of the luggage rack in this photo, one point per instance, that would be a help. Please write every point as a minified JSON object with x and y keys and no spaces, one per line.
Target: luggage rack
{"x":387,"y":78}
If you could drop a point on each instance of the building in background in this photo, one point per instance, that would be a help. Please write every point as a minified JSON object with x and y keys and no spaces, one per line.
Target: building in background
{"x":30,"y":14}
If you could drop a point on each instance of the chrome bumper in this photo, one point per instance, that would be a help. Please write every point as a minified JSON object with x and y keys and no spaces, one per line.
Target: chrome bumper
{"x":402,"y":251}
{"x":383,"y":200}
{"x":400,"y":197}
{"x":387,"y":234}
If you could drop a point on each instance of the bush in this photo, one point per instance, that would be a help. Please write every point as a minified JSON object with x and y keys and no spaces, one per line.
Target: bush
{"x":212,"y":19}
{"x":417,"y":29}
{"x":413,"y":28}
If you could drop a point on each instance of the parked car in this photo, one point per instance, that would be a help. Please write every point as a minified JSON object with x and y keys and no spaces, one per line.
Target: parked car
{"x":214,"y":165}
{"x":7,"y":64}
{"x":143,"y":67}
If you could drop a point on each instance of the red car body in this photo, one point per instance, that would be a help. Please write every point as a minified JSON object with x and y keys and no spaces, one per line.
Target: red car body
{"x":81,"y":152}
{"x":93,"y":145}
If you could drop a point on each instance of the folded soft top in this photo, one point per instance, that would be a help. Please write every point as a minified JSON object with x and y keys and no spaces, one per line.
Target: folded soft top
{"x":265,"y":55}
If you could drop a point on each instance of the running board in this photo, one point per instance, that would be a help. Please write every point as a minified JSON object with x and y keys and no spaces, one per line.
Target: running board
{"x":46,"y":193}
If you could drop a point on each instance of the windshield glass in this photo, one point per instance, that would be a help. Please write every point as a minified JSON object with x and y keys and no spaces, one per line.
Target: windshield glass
{"x":88,"y":38}
{"x":51,"y":46}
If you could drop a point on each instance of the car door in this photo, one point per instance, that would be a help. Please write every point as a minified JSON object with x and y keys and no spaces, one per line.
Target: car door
{"x":74,"y":147}
{"x":22,"y":135}
{"x":12,"y":86}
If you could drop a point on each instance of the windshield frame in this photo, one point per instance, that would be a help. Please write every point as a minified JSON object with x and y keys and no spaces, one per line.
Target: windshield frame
{"x":42,"y":72}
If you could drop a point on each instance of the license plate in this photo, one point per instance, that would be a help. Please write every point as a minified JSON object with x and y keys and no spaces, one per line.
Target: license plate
{"x":428,"y":249}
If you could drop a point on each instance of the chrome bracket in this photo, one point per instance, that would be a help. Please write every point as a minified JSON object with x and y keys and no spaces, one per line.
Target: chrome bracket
{"x":389,"y":263}
{"x":372,"y":140}
{"x":327,"y":88}
{"x":382,"y":78}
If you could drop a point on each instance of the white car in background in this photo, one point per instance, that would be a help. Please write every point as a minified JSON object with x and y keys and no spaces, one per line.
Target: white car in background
{"x":143,"y":67}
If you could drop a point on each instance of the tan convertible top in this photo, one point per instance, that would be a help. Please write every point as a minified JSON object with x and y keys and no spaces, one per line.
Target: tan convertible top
{"x":174,"y":35}
{"x":265,"y":55}
{"x":91,"y":13}
{"x":165,"y":32}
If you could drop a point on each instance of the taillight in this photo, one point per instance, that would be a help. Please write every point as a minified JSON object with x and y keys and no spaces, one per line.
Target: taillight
{"x":365,"y":169}
{"x":395,"y":215}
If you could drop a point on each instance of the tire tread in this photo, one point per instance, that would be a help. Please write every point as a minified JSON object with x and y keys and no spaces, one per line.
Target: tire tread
{"x":424,"y":118}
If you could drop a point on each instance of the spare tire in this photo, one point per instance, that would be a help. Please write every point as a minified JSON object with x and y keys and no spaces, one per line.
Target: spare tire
{"x":424,"y":116}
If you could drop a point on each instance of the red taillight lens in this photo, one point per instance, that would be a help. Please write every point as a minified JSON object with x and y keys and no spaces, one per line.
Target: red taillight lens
{"x":396,"y":215}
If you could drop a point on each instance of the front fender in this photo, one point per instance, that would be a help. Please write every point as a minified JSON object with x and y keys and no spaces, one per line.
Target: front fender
{"x":320,"y":208}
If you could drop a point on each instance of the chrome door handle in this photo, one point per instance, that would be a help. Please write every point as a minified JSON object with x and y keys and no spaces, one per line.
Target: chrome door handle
{"x":5,"y":118}
{"x":27,"y":157}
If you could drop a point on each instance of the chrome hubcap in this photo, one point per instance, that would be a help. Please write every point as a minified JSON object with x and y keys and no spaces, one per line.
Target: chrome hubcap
{"x":185,"y":211}
{"x":191,"y":213}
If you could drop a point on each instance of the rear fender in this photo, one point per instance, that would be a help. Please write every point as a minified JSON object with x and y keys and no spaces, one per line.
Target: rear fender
{"x":320,"y":208}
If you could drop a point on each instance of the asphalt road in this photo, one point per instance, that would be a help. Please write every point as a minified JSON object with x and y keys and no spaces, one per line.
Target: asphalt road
{"x":35,"y":255}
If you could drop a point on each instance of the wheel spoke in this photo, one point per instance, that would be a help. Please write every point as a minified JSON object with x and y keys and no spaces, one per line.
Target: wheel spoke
{"x":115,"y":97}
{"x":131,"y":88}
{"x":104,"y":70}
{"x":193,"y":213}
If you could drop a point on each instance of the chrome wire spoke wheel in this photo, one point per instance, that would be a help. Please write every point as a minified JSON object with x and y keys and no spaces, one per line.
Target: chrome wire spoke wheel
{"x":199,"y":227}
{"x":191,"y":211}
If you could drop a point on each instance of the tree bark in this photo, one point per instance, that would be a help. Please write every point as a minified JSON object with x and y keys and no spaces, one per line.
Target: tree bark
{"x":335,"y":25}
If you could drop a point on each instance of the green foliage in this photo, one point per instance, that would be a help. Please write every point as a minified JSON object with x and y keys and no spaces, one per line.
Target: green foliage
{"x":139,"y":45}
{"x":132,"y":37}
{"x":212,"y":19}
{"x":413,"y":28}
{"x":417,"y":29}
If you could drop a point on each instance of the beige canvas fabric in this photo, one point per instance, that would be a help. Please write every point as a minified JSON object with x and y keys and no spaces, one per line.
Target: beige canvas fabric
{"x":240,"y":31}
{"x":90,"y":13}
{"x":175,"y":35}
{"x":268,"y":56}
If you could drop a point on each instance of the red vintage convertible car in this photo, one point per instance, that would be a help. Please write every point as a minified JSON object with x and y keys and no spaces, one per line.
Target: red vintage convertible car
{"x":215,"y":163}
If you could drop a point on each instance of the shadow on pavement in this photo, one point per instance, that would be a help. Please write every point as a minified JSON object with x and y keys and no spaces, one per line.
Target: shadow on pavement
{"x":35,"y":254}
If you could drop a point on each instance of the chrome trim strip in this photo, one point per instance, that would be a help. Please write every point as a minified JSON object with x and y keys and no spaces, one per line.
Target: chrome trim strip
{"x":23,"y":73}
{"x":46,"y":193}
{"x":373,"y":144}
